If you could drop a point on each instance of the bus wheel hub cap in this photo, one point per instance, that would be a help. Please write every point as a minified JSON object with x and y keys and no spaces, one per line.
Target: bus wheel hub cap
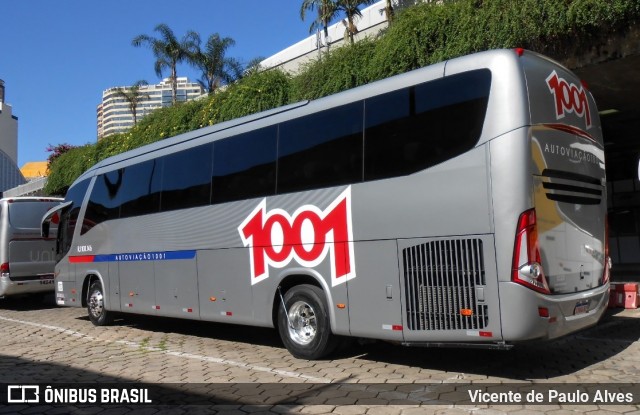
{"x":96,"y":304}
{"x":303,"y":326}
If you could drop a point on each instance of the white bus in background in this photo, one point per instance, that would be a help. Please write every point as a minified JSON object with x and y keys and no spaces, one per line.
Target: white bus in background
{"x":461,"y":204}
{"x":27,"y":259}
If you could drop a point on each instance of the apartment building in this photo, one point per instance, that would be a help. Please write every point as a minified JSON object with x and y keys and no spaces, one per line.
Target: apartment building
{"x":114,"y":115}
{"x":9,"y":173}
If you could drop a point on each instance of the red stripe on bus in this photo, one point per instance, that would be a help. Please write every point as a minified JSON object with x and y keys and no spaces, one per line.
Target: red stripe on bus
{"x":81,"y":258}
{"x":571,"y":130}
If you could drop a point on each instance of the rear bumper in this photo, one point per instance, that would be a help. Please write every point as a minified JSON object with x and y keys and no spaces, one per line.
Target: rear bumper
{"x":568,"y":313}
{"x":27,"y":286}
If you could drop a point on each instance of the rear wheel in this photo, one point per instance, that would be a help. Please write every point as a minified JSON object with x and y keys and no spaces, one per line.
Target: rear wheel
{"x":98,"y":315}
{"x":305,"y":329}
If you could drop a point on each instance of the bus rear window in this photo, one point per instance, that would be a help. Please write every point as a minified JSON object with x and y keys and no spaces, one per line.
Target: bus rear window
{"x":27,"y":215}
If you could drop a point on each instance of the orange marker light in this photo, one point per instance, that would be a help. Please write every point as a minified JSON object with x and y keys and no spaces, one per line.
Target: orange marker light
{"x":341,"y":306}
{"x":467,"y":312}
{"x":212,"y":298}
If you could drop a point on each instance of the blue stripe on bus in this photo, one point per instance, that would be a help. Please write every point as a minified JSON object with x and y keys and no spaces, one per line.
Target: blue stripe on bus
{"x":136,"y":256}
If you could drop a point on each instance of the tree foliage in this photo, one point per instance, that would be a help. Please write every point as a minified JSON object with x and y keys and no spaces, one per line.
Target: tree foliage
{"x":66,"y":168}
{"x":217,"y":68}
{"x":133,"y":96}
{"x":169,"y":52}
{"x":56,"y":151}
{"x":420,"y":35}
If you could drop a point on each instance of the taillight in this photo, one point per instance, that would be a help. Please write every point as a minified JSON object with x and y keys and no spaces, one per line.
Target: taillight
{"x":4,"y":269}
{"x":527,"y":265}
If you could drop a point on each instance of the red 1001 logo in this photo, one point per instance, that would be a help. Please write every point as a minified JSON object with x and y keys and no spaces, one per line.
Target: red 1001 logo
{"x":275,"y":238}
{"x":569,"y":98}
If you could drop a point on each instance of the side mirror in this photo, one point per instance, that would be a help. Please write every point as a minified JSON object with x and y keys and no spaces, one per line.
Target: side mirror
{"x":53,"y":215}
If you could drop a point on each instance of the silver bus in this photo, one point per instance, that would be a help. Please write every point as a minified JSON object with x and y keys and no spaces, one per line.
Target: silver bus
{"x":459,"y":204}
{"x":27,"y":260}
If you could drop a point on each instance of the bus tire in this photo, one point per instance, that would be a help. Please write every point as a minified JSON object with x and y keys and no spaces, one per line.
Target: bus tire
{"x":98,"y":314}
{"x":309,"y":336}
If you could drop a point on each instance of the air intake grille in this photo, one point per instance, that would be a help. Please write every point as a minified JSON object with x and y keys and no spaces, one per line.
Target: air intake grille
{"x":576,"y":189}
{"x":440,"y":281}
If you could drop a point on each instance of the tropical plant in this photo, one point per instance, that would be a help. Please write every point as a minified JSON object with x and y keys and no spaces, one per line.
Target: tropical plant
{"x":56,"y":151}
{"x":388,"y":11}
{"x":327,"y":11}
{"x":253,"y":66}
{"x":169,"y":52}
{"x":133,"y":96}
{"x":217,"y":69}
{"x":351,"y":9}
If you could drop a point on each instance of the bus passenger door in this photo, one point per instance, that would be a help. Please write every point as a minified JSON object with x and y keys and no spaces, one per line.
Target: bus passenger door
{"x":374,"y":295}
{"x":137,"y":286}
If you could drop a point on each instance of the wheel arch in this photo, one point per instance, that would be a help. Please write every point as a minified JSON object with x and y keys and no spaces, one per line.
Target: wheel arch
{"x":89,"y":278}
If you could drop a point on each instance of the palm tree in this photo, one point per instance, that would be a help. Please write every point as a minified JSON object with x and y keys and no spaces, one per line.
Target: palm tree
{"x":217,"y":69}
{"x":253,"y":66}
{"x":327,"y":10}
{"x":133,"y":96}
{"x":352,"y":9}
{"x":389,"y":12}
{"x":169,"y":52}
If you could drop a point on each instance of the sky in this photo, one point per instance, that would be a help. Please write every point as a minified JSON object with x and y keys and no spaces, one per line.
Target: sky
{"x":56,"y":57}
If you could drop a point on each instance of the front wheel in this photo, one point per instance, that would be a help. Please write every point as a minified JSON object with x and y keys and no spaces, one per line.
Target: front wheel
{"x":98,"y":315}
{"x":305,"y":329}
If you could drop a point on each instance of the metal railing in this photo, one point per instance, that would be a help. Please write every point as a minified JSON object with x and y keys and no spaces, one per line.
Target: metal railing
{"x":32,"y":188}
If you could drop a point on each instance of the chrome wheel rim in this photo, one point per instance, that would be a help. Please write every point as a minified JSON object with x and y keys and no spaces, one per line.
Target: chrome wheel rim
{"x":303,"y":325}
{"x":96,"y":304}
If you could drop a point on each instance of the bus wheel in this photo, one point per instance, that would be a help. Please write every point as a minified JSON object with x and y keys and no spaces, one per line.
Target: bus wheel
{"x":98,"y":315}
{"x":304,"y":328}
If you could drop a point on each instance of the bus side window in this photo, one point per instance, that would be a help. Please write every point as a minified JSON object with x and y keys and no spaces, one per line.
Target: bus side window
{"x":141,"y":190}
{"x":321,"y":150}
{"x":415,"y":128}
{"x":387,"y":135}
{"x":244,"y":166}
{"x":104,"y":202}
{"x":186,"y":178}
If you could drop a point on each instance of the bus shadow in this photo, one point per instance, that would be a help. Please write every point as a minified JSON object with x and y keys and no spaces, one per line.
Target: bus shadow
{"x":29,"y":302}
{"x":545,"y":360}
{"x":196,"y":328}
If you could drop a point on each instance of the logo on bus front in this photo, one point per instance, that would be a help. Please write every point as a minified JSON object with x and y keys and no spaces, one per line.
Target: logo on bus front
{"x":569,"y":97}
{"x":308,"y":236}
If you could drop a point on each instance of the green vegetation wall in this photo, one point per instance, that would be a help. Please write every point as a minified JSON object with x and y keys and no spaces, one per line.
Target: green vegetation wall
{"x":254,"y":93}
{"x":420,"y":35}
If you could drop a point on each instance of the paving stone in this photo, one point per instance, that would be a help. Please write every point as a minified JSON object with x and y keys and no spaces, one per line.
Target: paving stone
{"x":61,"y":345}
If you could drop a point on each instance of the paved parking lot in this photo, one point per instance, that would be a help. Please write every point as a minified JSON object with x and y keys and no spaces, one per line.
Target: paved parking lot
{"x":248,"y":370}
